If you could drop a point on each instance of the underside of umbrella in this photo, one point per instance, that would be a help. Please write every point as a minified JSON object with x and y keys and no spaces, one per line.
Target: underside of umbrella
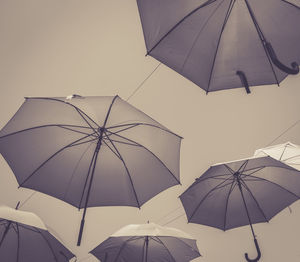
{"x":241,"y":193}
{"x":224,"y":44}
{"x":28,"y":241}
{"x":147,"y":243}
{"x":90,"y":151}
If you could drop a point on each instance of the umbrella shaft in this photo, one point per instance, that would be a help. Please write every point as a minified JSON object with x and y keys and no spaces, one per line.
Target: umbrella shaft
{"x":247,"y":212}
{"x":93,"y":164}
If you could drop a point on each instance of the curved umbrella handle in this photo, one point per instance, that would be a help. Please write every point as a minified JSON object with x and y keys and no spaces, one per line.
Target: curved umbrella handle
{"x":258,"y":253}
{"x":244,"y":80}
{"x":292,"y":71}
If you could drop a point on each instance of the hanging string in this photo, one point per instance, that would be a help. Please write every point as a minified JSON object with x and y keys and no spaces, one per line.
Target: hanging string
{"x":173,"y":219}
{"x":289,"y":128}
{"x":141,"y":84}
{"x":166,"y":215}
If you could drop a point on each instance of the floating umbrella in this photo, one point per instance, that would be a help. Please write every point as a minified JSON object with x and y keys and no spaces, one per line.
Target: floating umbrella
{"x":147,"y":243}
{"x":288,"y":153}
{"x":224,"y":44}
{"x":25,"y":238}
{"x":240,"y":193}
{"x":90,"y":151}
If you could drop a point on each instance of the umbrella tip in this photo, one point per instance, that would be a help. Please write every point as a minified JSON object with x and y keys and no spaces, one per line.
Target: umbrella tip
{"x":73,"y":96}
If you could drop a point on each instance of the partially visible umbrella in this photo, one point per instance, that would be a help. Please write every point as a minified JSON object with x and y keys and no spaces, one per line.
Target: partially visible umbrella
{"x":240,"y":193}
{"x":90,"y":151}
{"x":25,"y":238}
{"x":288,"y":153}
{"x":224,"y":44}
{"x":147,"y":243}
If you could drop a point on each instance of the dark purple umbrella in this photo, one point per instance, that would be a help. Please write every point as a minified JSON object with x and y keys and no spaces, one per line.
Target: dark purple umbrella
{"x":25,"y":238}
{"x":147,"y":243}
{"x":224,"y":44}
{"x":90,"y":151}
{"x":240,"y":193}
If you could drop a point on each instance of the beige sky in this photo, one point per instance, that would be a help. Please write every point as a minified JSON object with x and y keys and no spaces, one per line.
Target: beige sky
{"x":96,"y":47}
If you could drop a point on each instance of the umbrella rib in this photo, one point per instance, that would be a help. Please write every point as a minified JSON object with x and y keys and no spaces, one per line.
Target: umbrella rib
{"x":145,"y":124}
{"x":127,"y":171}
{"x":232,"y":2}
{"x":261,"y":37}
{"x":227,"y":200}
{"x":109,"y":110}
{"x":149,"y":152}
{"x":280,"y":158}
{"x":243,"y":167}
{"x":76,"y":166}
{"x":208,"y":2}
{"x":53,"y":155}
{"x":126,"y":128}
{"x":143,"y":251}
{"x":200,"y":179}
{"x":18,"y":236}
{"x":27,"y":227}
{"x":276,"y":185}
{"x":290,"y":4}
{"x":79,"y":112}
{"x":207,"y":194}
{"x":67,"y":128}
{"x":5,"y":232}
{"x":48,"y":244}
{"x":198,"y":35}
{"x":255,"y":171}
{"x":124,"y":244}
{"x":289,"y":158}
{"x":160,"y":241}
{"x":122,"y":142}
{"x":85,"y":142}
{"x":259,"y":207}
{"x":111,"y":149}
{"x":229,"y":169}
{"x":36,"y":127}
{"x":67,"y":103}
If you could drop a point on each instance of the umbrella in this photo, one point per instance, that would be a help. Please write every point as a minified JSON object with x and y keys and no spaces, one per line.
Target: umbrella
{"x":90,"y":151}
{"x":25,"y":238}
{"x":147,"y":243}
{"x":224,"y":44}
{"x":240,"y":193}
{"x":288,"y":153}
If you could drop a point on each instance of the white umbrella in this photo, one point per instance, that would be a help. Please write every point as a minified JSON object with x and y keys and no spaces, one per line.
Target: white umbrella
{"x":25,"y":238}
{"x":288,"y":153}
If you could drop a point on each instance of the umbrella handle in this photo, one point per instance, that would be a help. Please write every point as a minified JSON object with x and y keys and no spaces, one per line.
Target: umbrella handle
{"x":244,"y":80}
{"x":292,"y":71}
{"x":258,"y":253}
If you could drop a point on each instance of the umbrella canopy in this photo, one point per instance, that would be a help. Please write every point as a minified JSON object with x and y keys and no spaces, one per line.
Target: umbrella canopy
{"x":288,"y":153}
{"x":147,"y":243}
{"x":24,"y":238}
{"x":223,"y":44}
{"x":240,"y":193}
{"x":90,"y":151}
